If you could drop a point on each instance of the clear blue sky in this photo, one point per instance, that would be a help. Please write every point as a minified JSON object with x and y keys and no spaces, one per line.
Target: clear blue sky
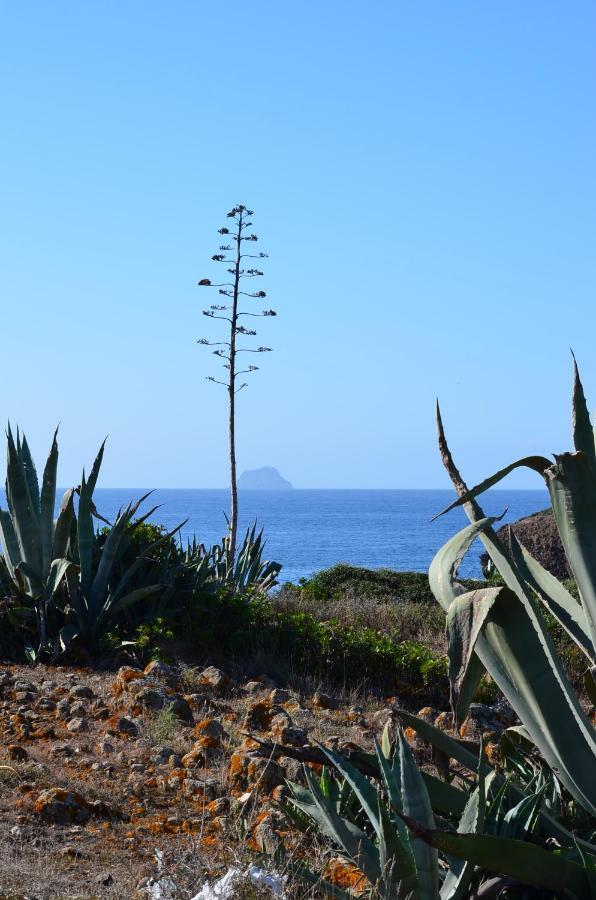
{"x":423,"y":178}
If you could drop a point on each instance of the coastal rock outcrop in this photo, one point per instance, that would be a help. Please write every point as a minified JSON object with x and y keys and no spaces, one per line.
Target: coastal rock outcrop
{"x":539,"y":535}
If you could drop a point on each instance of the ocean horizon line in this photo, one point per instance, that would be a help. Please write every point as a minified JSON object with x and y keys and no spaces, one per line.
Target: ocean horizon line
{"x":291,"y":490}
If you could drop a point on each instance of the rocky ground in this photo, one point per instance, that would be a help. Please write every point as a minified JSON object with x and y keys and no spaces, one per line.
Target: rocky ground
{"x":145,"y":783}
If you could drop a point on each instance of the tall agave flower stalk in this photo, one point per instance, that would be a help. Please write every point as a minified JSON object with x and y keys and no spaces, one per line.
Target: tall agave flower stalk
{"x":501,"y":630}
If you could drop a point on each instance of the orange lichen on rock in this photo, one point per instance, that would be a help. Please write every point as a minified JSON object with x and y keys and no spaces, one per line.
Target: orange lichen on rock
{"x":347,"y":876}
{"x":124,"y":677}
{"x":62,"y":807}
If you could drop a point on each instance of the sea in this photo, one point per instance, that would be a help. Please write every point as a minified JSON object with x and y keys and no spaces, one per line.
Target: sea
{"x":308,"y":530}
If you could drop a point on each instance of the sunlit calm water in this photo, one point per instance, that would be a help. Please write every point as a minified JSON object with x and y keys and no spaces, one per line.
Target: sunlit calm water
{"x":307,"y":530}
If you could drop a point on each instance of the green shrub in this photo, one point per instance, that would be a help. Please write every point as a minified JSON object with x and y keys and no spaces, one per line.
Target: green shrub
{"x":385,"y":584}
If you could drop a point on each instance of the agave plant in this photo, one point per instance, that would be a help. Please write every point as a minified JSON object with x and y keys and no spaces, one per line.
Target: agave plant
{"x":100,"y":589}
{"x":216,"y":567}
{"x":390,"y":832}
{"x":34,"y":544}
{"x":501,"y":629}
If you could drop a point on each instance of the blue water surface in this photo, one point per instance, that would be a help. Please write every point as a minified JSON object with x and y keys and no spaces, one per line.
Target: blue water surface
{"x":307,"y":530}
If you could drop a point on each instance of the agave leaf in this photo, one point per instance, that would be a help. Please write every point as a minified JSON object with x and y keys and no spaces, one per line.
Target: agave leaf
{"x":33,"y":577}
{"x":572,"y":486}
{"x":85,"y":535}
{"x":590,"y":684}
{"x":58,"y":570}
{"x":300,"y":870}
{"x":530,"y":675}
{"x":583,"y":434}
{"x":458,"y":878}
{"x":111,"y":605}
{"x":557,"y":599}
{"x":142,"y":556}
{"x":10,"y":543}
{"x":416,"y":805}
{"x":444,"y":797}
{"x":93,"y":475}
{"x":520,"y":820}
{"x":47,"y":503}
{"x":361,"y":786}
{"x":361,"y":851}
{"x":397,"y":860}
{"x":66,"y":635}
{"x":444,"y":566}
{"x":31,"y":476}
{"x":516,"y":650}
{"x":25,"y":520}
{"x":538,"y":464}
{"x":549,"y":826}
{"x":525,"y":862}
{"x":465,"y":619}
{"x":109,"y":554}
{"x":63,"y":525}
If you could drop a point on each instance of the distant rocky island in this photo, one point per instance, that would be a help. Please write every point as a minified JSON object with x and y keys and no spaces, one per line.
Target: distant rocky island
{"x":267,"y":478}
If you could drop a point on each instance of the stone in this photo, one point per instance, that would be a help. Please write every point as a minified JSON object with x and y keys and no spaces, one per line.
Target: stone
{"x":126,"y":726}
{"x":162,"y":755}
{"x":444,"y":721}
{"x":247,"y":770}
{"x":125,"y":678}
{"x":21,"y":685}
{"x":540,"y":536}
{"x":266,"y":833}
{"x":79,"y":708}
{"x":210,"y":728}
{"x":504,"y":714}
{"x":24,"y":696}
{"x":47,"y":704}
{"x":160,"y":670}
{"x":323,"y":701}
{"x":77,"y":726}
{"x":81,"y":692}
{"x":291,"y":735}
{"x":181,"y":709}
{"x":214,"y":678}
{"x":62,"y":750}
{"x":258,"y":716}
{"x":63,"y":709}
{"x":253,"y":687}
{"x":61,"y":807}
{"x":151,"y":698}
{"x":279,"y":696}
{"x":17,"y":753}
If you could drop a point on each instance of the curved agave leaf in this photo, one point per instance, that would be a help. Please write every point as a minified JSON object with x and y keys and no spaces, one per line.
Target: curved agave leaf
{"x":85,"y":535}
{"x":553,"y":715}
{"x":555,"y":597}
{"x":458,"y":878}
{"x":361,"y":851}
{"x":24,"y":518}
{"x":47,"y":503}
{"x":110,"y":552}
{"x":571,"y":484}
{"x":538,"y":464}
{"x":10,"y":543}
{"x":465,"y":619}
{"x":525,"y":862}
{"x":458,"y":750}
{"x":395,"y":858}
{"x":416,"y":805}
{"x":62,"y":528}
{"x":583,"y":433}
